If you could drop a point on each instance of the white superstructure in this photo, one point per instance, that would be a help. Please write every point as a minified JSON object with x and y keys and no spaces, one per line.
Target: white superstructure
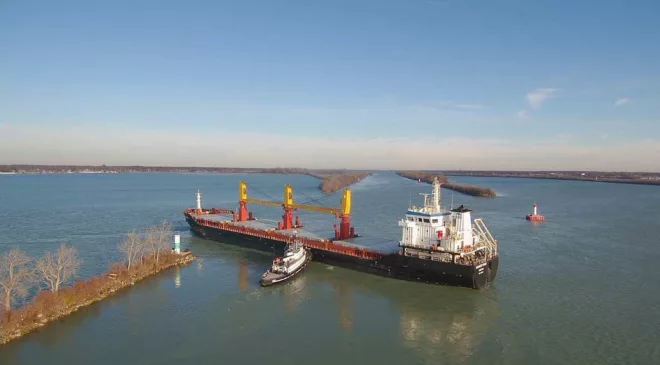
{"x":293,"y":258}
{"x":433,"y":228}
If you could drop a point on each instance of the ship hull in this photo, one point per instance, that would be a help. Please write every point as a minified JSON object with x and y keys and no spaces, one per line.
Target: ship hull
{"x":269,"y":278}
{"x":393,"y":266}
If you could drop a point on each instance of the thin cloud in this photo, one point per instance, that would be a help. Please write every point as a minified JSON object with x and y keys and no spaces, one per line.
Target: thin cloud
{"x":182,"y":147}
{"x":448,"y":104}
{"x":621,"y":101}
{"x":469,"y":106}
{"x":522,"y":114}
{"x":537,"y":97}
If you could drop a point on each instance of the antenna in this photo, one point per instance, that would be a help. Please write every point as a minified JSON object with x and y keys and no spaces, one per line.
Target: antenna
{"x":426,"y":200}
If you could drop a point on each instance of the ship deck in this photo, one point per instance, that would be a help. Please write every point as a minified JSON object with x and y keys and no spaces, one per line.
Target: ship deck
{"x":373,"y":243}
{"x":265,"y":225}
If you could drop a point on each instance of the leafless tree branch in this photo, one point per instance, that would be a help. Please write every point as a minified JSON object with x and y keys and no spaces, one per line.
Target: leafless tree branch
{"x":16,"y":276}
{"x":59,"y":268}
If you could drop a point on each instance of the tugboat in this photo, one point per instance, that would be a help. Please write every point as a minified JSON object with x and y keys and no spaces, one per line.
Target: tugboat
{"x":295,"y":259}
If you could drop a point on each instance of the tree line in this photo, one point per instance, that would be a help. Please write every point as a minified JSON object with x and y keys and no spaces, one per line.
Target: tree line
{"x":19,"y":273}
{"x":78,"y":168}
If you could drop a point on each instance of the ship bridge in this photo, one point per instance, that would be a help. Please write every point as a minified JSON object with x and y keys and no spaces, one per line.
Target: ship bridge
{"x":424,"y":225}
{"x":431,"y":227}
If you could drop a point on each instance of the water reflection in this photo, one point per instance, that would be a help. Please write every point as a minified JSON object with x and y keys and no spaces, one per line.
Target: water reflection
{"x":242,"y":274}
{"x":200,"y":266}
{"x":343,"y":300}
{"x":446,"y":322}
{"x":435,"y":321}
{"x":177,"y":277}
{"x":295,"y":292}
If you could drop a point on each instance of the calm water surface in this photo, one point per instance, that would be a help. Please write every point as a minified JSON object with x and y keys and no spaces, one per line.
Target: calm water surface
{"x":578,"y":289}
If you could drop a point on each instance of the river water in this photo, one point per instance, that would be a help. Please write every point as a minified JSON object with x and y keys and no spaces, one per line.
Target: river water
{"x":580,"y":288}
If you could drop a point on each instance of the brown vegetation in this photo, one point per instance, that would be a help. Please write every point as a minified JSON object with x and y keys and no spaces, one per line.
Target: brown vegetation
{"x":147,"y":258}
{"x":448,"y":184}
{"x":335,"y":181}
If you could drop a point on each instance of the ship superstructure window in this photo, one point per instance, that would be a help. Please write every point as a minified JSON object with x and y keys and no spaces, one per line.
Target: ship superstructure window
{"x":435,"y":220}
{"x":419,"y":219}
{"x":411,"y":219}
{"x":426,"y":220}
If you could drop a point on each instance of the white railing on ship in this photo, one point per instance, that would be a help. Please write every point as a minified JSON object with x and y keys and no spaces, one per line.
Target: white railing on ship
{"x":482,"y":231}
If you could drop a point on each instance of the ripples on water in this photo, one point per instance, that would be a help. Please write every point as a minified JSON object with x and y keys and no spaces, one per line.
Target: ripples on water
{"x":577,"y":289}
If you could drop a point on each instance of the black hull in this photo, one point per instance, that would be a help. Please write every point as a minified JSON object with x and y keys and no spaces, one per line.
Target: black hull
{"x":393,"y":266}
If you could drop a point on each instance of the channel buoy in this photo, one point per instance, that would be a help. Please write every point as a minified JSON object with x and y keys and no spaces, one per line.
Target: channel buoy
{"x":535,"y":217}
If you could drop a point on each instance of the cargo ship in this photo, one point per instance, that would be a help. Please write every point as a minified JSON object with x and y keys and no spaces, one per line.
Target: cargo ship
{"x":437,"y":245}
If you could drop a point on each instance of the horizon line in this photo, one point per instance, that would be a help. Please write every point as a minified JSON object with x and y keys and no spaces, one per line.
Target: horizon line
{"x":306,"y":168}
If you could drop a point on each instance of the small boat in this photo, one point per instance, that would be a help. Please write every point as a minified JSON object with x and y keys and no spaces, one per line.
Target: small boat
{"x":295,"y":259}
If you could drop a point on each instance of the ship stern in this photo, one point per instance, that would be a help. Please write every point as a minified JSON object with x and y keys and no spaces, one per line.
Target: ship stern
{"x":484,"y":274}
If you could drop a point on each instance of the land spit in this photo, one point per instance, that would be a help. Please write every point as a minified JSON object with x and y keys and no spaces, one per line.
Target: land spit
{"x":48,"y":306}
{"x":427,"y":177}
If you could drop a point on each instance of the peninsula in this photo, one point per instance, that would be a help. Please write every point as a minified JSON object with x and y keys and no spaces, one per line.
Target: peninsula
{"x":641,"y":178}
{"x":448,"y":184}
{"x":146,"y":254}
{"x":332,"y":181}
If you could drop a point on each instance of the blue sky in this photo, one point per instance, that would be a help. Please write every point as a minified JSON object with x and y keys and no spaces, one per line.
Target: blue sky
{"x":358,"y":84}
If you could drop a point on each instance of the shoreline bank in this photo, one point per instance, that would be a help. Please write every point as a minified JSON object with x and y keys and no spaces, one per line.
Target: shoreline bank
{"x":646,"y":179}
{"x":47,"y":306}
{"x":331,"y":180}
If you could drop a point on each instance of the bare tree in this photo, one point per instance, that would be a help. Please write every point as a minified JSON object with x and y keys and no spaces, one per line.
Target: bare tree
{"x":144,"y":245}
{"x":159,"y":238}
{"x":147,"y":240}
{"x":130,"y":247}
{"x":57,"y":269}
{"x":16,"y":276}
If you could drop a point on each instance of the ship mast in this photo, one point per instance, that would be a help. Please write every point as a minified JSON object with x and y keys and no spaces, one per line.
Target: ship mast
{"x":436,"y":194}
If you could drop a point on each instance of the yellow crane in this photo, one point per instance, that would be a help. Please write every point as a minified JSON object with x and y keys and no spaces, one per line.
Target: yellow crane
{"x":343,"y":212}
